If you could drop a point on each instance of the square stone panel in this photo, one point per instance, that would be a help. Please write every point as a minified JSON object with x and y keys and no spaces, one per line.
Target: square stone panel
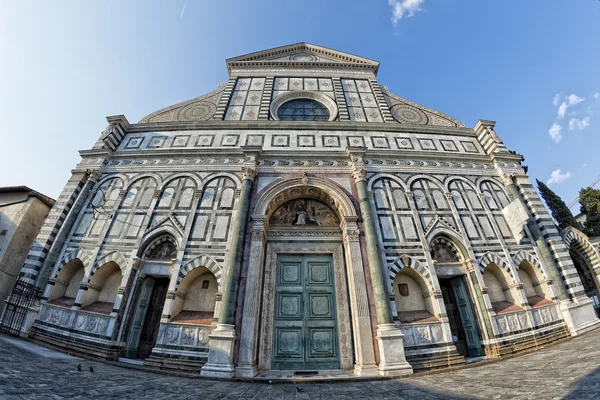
{"x":357,"y":114}
{"x":448,"y":145}
{"x":229,"y":140}
{"x":238,"y":98}
{"x":325,"y":85}
{"x":331,"y":141}
{"x":469,"y":147}
{"x":243,"y":84}
{"x":250,"y":113}
{"x":306,"y":141}
{"x":234,"y":113}
{"x":253,"y":98}
{"x":348,"y":85}
{"x":310,"y":84}
{"x":205,"y":141}
{"x":134,"y":143}
{"x":427,"y":144}
{"x":255,"y":140}
{"x":280,"y":84}
{"x":352,"y":99}
{"x":280,"y":141}
{"x":380,"y":142}
{"x":257,"y":84}
{"x":356,"y":141}
{"x":295,"y":84}
{"x":156,"y":142}
{"x":404,"y":143}
{"x":373,"y":115}
{"x":180,"y":141}
{"x":363,"y":86}
{"x":368,"y":100}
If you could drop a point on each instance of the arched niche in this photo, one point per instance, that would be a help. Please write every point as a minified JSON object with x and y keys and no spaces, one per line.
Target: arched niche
{"x":66,"y":283}
{"x":535,"y":286}
{"x":412,"y":297}
{"x":195,"y":298}
{"x":501,"y":294}
{"x":102,"y":289}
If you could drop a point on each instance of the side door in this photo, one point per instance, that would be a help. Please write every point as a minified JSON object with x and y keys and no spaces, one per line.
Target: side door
{"x":139,"y":316}
{"x":467,"y":316}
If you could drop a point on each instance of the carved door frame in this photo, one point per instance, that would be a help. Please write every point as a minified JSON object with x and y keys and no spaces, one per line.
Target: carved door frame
{"x":335,"y":249}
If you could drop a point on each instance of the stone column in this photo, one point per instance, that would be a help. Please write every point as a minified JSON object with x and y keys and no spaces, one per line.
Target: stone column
{"x":389,"y":338}
{"x":359,"y":303}
{"x":222,"y":339}
{"x":247,"y":362}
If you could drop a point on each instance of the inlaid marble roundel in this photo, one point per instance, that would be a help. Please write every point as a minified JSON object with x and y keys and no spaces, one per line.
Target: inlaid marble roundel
{"x":200,"y":111}
{"x":407,"y":114}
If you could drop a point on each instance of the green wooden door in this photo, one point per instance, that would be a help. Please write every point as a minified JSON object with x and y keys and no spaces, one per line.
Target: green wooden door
{"x":467,"y":316}
{"x":305,"y":326}
{"x":139,"y":316}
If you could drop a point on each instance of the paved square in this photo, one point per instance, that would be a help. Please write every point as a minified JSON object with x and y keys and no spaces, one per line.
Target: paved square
{"x":570,"y":369}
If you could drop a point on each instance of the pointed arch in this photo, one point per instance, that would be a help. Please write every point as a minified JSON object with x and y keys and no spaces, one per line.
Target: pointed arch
{"x":115,"y":256}
{"x":525,"y":256}
{"x":167,"y":234}
{"x":203,"y":260}
{"x":575,"y":238}
{"x":405,"y":261}
{"x":82,"y":254}
{"x":451,"y":238}
{"x":489,"y":258}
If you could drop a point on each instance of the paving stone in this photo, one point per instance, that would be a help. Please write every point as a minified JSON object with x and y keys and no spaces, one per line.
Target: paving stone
{"x":569,"y":370}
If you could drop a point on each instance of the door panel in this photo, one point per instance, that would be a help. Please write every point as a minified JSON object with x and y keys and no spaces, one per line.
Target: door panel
{"x":139,"y":316}
{"x":467,"y":316}
{"x":152,"y":322}
{"x":305,"y":326}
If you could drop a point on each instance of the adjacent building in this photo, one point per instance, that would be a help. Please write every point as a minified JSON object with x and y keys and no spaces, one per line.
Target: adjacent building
{"x":22,"y":213}
{"x":302,"y":217}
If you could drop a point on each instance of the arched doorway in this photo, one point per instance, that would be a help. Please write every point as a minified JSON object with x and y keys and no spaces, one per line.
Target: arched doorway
{"x":304,"y":255}
{"x":153,"y":283}
{"x":586,"y":261}
{"x":459,"y":306}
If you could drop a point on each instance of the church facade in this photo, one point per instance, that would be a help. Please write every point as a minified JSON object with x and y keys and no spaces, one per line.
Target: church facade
{"x":303,"y":218}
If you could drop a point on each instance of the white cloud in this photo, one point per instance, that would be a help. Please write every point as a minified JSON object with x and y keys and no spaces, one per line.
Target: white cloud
{"x":404,"y":8}
{"x":596,"y":95}
{"x":562,"y":109}
{"x":558,"y":177}
{"x":570,"y":100}
{"x":573,"y":99}
{"x":584,"y":165}
{"x":579,"y":124}
{"x":555,"y":132}
{"x":556,"y":99}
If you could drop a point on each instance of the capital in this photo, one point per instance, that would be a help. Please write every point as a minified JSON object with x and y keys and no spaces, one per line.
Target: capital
{"x":359,"y":174}
{"x":409,"y":195}
{"x":448,"y":195}
{"x":248,"y":173}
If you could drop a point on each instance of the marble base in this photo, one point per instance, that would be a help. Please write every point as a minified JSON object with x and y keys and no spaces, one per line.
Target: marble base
{"x":246,"y":370}
{"x":220,"y":355}
{"x":366,"y":370}
{"x":580,"y":316}
{"x":392,"y":361}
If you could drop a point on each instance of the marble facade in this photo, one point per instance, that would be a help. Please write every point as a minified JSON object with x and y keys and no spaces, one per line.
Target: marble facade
{"x":440,"y":244}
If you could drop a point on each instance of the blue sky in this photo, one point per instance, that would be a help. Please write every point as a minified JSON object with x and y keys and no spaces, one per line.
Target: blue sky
{"x":66,"y":65}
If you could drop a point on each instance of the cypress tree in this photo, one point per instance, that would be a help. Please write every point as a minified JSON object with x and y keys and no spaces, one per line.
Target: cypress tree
{"x":590,"y":205}
{"x":560,"y":212}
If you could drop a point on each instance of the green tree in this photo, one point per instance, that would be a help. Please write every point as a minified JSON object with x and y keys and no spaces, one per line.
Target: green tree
{"x":589,"y":199}
{"x":560,"y":212}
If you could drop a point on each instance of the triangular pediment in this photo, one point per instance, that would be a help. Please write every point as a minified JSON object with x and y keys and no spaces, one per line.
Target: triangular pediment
{"x":302,"y":54}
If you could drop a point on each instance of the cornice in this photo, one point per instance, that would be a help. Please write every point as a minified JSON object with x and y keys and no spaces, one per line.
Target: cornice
{"x":351,"y":126}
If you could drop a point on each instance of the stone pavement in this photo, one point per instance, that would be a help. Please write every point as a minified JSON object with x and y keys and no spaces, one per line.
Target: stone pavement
{"x":570,"y":369}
